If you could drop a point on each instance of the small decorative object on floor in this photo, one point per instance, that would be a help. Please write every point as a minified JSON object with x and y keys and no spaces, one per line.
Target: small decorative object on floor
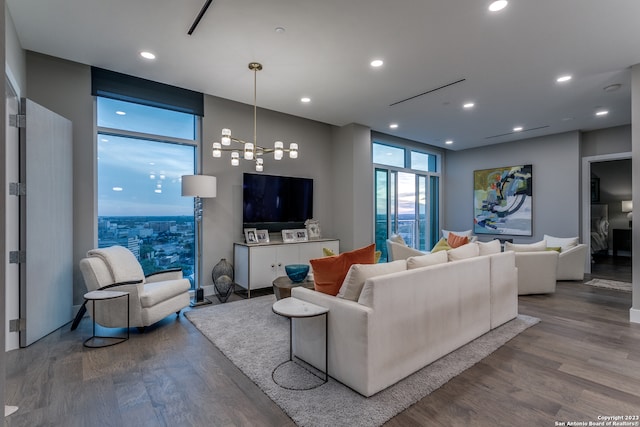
{"x":222,"y":275}
{"x":297,"y":272}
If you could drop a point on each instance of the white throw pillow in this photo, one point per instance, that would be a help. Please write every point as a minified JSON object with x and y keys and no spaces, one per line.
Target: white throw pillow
{"x":469,"y":250}
{"x":521,"y":247}
{"x":434,"y":258}
{"x":564,"y":243}
{"x":359,"y":273}
{"x":488,"y":248}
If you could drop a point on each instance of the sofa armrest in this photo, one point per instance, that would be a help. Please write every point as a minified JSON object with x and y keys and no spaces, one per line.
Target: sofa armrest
{"x":571,"y":263}
{"x":348,"y":339}
{"x":164,"y":275}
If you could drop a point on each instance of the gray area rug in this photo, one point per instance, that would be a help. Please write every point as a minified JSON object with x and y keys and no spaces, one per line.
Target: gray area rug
{"x":610,"y":284}
{"x":257,"y":340}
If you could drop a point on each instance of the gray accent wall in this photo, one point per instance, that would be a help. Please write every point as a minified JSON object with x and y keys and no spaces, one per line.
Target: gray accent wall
{"x":556,"y":182}
{"x":222,"y":216}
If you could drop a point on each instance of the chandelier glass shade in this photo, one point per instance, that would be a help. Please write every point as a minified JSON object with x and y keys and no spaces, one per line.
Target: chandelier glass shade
{"x":240,"y":149}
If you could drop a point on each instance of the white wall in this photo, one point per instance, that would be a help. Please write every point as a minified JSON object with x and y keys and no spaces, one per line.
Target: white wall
{"x":556,"y":182}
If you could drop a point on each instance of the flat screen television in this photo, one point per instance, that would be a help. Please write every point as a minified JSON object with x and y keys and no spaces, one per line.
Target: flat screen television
{"x":276,"y":203}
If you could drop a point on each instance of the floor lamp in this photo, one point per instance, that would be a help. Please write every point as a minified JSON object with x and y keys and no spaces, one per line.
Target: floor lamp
{"x":199,"y":187}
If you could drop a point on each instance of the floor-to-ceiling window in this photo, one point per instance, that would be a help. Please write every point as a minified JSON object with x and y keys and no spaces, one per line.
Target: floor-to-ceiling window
{"x":407,"y":183}
{"x":143,"y":152}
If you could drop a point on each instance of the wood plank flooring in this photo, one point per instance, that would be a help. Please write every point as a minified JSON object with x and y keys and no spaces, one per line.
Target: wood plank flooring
{"x":581,"y":361}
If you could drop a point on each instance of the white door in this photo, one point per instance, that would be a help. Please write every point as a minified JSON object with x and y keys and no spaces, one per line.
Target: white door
{"x":46,"y":216}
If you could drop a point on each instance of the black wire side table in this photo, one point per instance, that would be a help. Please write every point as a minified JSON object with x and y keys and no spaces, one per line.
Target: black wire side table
{"x":294,"y":308}
{"x":98,"y":341}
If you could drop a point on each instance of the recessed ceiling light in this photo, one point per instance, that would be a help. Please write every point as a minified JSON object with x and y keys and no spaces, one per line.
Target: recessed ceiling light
{"x":157,"y":190}
{"x":121,"y":113}
{"x":147,"y":55}
{"x":117,"y":188}
{"x":279,"y":30}
{"x":393,"y":126}
{"x":563,"y":79}
{"x":469,"y":105}
{"x":517,"y":128}
{"x":104,"y":140}
{"x":602,"y":112}
{"x":305,"y":99}
{"x":498,"y":5}
{"x":377,"y":63}
{"x":448,"y":142}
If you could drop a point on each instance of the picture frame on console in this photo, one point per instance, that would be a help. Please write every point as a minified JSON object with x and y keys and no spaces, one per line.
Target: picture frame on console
{"x":289,"y":236}
{"x":262,"y":236}
{"x":251,"y":236}
{"x":313,"y":228}
{"x":301,"y":235}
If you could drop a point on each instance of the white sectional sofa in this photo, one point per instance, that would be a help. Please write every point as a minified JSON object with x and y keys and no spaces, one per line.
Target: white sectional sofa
{"x":404,"y":321}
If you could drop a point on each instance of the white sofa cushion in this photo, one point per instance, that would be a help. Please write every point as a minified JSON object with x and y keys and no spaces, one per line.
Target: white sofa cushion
{"x":521,"y":247}
{"x":358,"y":273}
{"x":469,"y":250}
{"x":488,"y":248}
{"x":564,"y":243}
{"x":434,"y":258}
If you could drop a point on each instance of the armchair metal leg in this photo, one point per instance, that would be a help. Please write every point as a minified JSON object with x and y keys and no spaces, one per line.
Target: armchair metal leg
{"x":178,"y":313}
{"x":79,"y":316}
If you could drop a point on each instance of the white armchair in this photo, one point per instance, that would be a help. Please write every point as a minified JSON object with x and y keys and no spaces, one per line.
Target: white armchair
{"x":151,"y":298}
{"x":536,"y":272}
{"x":396,"y":251}
{"x":571,"y":263}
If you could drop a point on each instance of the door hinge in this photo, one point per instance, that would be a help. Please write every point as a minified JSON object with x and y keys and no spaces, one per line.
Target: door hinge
{"x":17,"y":325}
{"x":18,"y":120}
{"x":17,"y":189}
{"x":17,"y":257}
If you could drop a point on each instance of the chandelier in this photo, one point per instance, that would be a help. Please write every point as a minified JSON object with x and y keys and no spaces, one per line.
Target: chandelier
{"x":251,"y":150}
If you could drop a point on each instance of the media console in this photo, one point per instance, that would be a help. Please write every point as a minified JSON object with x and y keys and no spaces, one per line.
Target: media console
{"x":256,"y":266}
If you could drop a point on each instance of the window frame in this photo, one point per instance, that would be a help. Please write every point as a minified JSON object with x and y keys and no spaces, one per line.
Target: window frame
{"x":409,"y":147}
{"x":196,"y":143}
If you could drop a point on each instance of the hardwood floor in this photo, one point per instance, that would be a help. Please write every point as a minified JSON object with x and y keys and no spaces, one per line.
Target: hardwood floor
{"x":580,"y":362}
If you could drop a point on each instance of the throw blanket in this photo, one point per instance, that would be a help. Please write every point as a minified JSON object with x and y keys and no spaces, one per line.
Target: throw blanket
{"x":122,"y":264}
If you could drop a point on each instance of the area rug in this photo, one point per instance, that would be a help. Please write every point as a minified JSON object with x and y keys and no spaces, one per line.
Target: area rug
{"x":256,"y":340}
{"x":610,"y":284}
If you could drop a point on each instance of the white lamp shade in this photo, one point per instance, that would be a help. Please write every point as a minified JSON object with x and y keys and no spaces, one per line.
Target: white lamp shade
{"x":627,"y":205}
{"x":204,"y":186}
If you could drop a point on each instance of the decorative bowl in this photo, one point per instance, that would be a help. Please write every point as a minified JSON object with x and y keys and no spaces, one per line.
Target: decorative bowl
{"x":297,"y":272}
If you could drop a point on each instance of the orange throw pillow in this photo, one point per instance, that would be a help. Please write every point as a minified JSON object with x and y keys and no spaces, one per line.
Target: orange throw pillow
{"x":329,"y":272}
{"x":456,"y":241}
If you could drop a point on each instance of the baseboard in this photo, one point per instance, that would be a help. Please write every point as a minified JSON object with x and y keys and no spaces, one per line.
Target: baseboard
{"x":634,"y":315}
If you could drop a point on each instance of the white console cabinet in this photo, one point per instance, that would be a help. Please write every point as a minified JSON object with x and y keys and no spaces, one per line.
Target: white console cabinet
{"x":256,"y":266}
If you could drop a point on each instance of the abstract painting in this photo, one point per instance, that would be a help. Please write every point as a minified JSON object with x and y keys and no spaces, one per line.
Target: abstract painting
{"x":502,"y":200}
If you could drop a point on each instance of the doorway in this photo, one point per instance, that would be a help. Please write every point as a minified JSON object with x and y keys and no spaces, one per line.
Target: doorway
{"x":606,"y":215}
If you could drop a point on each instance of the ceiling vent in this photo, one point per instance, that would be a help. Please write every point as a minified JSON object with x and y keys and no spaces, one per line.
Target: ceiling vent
{"x":427,"y":92}
{"x":513,"y":133}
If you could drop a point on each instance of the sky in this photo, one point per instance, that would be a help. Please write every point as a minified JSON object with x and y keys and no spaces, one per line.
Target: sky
{"x":143,"y":177}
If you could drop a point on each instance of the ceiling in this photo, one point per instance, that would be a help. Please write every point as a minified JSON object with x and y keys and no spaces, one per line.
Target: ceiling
{"x":505,"y":62}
